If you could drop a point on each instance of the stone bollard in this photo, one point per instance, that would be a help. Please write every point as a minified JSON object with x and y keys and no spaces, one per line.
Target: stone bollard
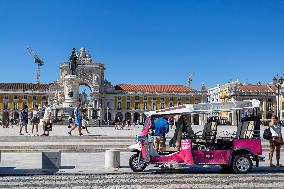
{"x":112,"y":159}
{"x":51,"y":160}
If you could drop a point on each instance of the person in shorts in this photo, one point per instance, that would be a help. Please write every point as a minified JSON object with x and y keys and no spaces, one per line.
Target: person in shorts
{"x":24,"y":119}
{"x":85,"y":120}
{"x":47,"y":119}
{"x":77,"y":120}
{"x":35,"y":120}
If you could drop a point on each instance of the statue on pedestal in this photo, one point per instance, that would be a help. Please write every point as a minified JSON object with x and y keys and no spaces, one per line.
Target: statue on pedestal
{"x":73,"y":61}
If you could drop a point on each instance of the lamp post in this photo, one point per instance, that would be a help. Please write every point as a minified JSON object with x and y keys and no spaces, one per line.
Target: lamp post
{"x":107,"y":116}
{"x":278,"y":81}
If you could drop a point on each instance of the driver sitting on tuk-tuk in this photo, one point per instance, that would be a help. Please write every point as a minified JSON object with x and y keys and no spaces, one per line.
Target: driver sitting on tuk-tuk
{"x":161,"y":129}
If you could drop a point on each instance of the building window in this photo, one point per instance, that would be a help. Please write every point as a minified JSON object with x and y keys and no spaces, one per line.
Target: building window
{"x":128,"y":106}
{"x":15,"y":97}
{"x":171,"y":98}
{"x":187,"y":98}
{"x":162,"y":105}
{"x":16,"y":106}
{"x":145,"y":98}
{"x":6,"y":97}
{"x":34,"y":97}
{"x":34,"y":103}
{"x":25,"y":103}
{"x":269,"y":107}
{"x":128,"y":97}
{"x":154,"y":106}
{"x":136,"y":97}
{"x":196,"y":100}
{"x":25,"y":97}
{"x":179,"y":98}
{"x":119,"y":97}
{"x":162,"y":99}
{"x":179,"y":103}
{"x":136,"y":105}
{"x":154,"y":98}
{"x":5,"y":104}
{"x":119,"y":105}
{"x":43,"y":98}
{"x":145,"y":105}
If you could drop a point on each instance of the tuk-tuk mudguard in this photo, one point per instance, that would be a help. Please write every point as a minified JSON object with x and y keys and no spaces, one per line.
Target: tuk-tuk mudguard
{"x":182,"y":156}
{"x":252,"y":145}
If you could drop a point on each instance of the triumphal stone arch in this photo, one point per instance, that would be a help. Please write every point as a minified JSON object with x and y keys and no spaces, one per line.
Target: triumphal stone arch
{"x":80,"y":69}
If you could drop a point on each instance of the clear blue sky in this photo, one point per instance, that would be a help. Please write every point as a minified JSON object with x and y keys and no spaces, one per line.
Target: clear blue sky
{"x":146,"y":42}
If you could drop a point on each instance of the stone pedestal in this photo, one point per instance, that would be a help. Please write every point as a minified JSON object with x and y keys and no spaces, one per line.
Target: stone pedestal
{"x":112,"y":159}
{"x":51,"y":160}
{"x":71,"y":90}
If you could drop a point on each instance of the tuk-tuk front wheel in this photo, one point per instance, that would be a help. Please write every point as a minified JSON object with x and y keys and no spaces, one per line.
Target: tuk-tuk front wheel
{"x":242,"y":164}
{"x":136,"y":164}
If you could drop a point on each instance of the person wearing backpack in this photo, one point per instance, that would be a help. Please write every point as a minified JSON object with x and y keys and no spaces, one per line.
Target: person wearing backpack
{"x":276,"y":141}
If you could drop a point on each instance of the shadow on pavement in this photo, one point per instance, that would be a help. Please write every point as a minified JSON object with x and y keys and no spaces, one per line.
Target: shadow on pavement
{"x":12,"y":171}
{"x":213,"y":170}
{"x":67,"y":167}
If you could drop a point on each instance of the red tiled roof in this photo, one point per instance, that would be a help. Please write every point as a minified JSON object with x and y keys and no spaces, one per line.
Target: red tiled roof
{"x":257,"y":88}
{"x":24,"y":86}
{"x":154,"y":88}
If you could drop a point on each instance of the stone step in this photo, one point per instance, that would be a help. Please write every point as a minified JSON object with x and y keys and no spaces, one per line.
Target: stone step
{"x":74,"y":148}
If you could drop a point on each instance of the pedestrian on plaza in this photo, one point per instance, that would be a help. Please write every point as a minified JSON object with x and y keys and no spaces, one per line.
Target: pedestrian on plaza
{"x":128,"y":123}
{"x":85,"y":120}
{"x":70,"y":121}
{"x":47,"y":120}
{"x":24,"y":119}
{"x":35,"y":119}
{"x":116,"y":122}
{"x":77,"y":120}
{"x":276,"y":141}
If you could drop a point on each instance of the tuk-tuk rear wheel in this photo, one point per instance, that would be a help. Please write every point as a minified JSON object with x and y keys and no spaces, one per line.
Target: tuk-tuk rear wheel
{"x":242,"y":164}
{"x":135,"y":164}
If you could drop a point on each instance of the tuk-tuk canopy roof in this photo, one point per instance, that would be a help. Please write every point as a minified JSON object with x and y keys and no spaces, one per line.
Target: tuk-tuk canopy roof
{"x":206,"y":108}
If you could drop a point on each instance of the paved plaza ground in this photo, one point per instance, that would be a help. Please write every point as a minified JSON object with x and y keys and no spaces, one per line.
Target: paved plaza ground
{"x":22,"y":154}
{"x":82,"y":163}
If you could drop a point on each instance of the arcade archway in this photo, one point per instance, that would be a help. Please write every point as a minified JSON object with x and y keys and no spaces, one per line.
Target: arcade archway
{"x":119,"y":116}
{"x":85,"y":95}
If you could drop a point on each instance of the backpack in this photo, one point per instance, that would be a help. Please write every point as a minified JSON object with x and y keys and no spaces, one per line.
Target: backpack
{"x":267,"y":134}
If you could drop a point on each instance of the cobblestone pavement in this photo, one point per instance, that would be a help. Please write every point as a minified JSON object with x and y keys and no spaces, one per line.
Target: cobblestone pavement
{"x":146,"y":180}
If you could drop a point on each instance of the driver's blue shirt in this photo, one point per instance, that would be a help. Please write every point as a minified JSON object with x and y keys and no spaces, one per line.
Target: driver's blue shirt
{"x":161,"y":127}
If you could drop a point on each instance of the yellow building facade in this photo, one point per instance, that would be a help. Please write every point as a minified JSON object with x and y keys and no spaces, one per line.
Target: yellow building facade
{"x":132,"y":101}
{"x":13,"y":96}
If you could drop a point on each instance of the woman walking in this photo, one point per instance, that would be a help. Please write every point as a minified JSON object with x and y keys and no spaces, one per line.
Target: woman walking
{"x":85,"y":120}
{"x":35,"y":120}
{"x":276,"y":140}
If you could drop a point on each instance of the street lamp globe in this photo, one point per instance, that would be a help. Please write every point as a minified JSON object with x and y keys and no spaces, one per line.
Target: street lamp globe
{"x":274,"y":80}
{"x":281,"y":80}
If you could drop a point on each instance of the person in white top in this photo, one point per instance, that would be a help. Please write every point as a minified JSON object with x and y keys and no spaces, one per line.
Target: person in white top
{"x":275,"y":129}
{"x":47,"y":124}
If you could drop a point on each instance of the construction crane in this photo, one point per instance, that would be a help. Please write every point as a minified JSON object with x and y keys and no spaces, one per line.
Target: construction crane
{"x":39,"y":63}
{"x":189,"y":80}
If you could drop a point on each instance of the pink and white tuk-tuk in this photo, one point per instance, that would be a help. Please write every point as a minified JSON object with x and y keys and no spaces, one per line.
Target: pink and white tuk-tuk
{"x":235,"y":151}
